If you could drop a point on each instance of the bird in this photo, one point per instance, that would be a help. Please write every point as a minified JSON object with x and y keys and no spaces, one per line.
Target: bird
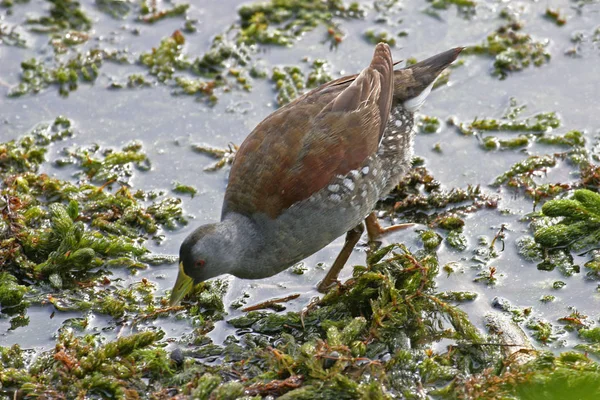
{"x":311,"y":171}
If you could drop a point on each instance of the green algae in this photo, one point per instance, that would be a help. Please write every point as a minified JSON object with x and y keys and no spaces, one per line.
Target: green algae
{"x":10,"y":36}
{"x":579,"y":225}
{"x":428,"y":124}
{"x":555,"y":16}
{"x":83,"y":67}
{"x":59,"y":236}
{"x":538,"y":123}
{"x":184,"y":189}
{"x":149,"y":12}
{"x":280,"y":22}
{"x":64,"y":14}
{"x":547,"y":376}
{"x":380,"y":36}
{"x":511,"y":49}
{"x":290,"y":81}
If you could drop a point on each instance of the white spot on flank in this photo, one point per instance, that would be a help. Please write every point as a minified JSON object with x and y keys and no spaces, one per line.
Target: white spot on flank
{"x":335,"y":197}
{"x":365,"y":170}
{"x":333,"y":188}
{"x":349,"y":184}
{"x":375,"y":171}
{"x":398,"y":123}
{"x":363,"y":193}
{"x":355,"y":173}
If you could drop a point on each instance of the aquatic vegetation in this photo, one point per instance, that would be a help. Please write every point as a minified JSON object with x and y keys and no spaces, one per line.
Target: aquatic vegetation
{"x":428,"y":124}
{"x":149,"y":12}
{"x":167,"y":58}
{"x":118,"y":9}
{"x":579,"y":226}
{"x":56,"y":235}
{"x":419,"y":193}
{"x":64,"y":14}
{"x":555,"y":16}
{"x":538,"y":123}
{"x":376,"y":36}
{"x":511,"y":49}
{"x":281,"y":22}
{"x":10,"y":36}
{"x":184,"y":189}
{"x":36,"y":75}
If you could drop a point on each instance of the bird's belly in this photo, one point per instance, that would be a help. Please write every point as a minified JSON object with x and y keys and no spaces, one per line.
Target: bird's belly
{"x":312,"y":224}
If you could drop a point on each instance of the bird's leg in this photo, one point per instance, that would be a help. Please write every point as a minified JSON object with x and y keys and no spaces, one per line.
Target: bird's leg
{"x":352,"y":237}
{"x":374,"y":230}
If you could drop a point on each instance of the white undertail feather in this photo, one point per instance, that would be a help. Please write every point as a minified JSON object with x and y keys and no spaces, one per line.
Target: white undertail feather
{"x":416,"y":102}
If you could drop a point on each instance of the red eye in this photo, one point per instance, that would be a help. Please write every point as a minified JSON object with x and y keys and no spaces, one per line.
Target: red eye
{"x":200,"y":263}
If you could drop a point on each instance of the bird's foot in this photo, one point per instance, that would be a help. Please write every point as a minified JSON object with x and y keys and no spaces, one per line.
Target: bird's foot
{"x":375,"y":230}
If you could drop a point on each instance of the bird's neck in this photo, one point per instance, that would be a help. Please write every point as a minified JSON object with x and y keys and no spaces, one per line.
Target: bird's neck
{"x":242,"y":243}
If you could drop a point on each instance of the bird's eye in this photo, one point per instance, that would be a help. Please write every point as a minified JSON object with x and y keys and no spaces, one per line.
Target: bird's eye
{"x":200,"y":263}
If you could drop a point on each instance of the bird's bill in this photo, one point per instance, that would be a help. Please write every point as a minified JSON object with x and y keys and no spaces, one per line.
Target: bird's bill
{"x":183,"y":285}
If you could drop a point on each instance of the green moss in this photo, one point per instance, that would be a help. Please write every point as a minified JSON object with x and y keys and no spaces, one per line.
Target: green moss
{"x":555,"y":16}
{"x":10,"y":36}
{"x":184,"y":189}
{"x":457,"y":240}
{"x":512,"y":50}
{"x":11,"y":294}
{"x":164,"y":60}
{"x":428,"y":124}
{"x":281,"y":22}
{"x":431,"y":240}
{"x":151,"y":13}
{"x":569,"y":139}
{"x":580,"y":226}
{"x":460,"y":297}
{"x":64,"y":14}
{"x":521,"y":173}
{"x":118,"y":9}
{"x":380,"y":36}
{"x":538,"y":123}
{"x":493,"y":143}
{"x":83,"y":67}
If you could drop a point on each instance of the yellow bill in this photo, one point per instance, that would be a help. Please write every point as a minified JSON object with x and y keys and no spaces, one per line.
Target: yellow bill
{"x":183,"y":285}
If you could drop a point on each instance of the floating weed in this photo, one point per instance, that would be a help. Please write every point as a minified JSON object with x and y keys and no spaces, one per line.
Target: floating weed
{"x":568,"y":375}
{"x":555,"y":16}
{"x":538,"y":123}
{"x":149,"y":12}
{"x":67,"y":235}
{"x":428,"y":124}
{"x":224,"y":156}
{"x":118,"y":9}
{"x":579,"y":221}
{"x":512,"y":49}
{"x":466,"y":8}
{"x":164,"y":60}
{"x":184,"y":189}
{"x":10,"y":36}
{"x":419,"y":191}
{"x":280,"y":23}
{"x":36,"y":75}
{"x":82,"y":366}
{"x":381,"y":35}
{"x":64,"y":14}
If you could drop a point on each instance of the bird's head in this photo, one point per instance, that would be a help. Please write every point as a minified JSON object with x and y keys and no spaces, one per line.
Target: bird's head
{"x":202,"y":256}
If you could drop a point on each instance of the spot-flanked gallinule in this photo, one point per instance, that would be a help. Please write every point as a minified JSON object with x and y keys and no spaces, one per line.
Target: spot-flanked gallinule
{"x":311,"y":171}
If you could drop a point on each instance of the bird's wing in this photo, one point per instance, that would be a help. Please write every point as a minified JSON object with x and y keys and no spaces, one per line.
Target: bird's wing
{"x":300,"y":148}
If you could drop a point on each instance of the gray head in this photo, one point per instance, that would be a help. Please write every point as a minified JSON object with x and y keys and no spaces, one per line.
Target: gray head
{"x":212,"y":250}
{"x":204,"y":254}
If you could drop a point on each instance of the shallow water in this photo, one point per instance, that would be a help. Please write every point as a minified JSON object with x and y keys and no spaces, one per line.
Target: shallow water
{"x":168,"y":124}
